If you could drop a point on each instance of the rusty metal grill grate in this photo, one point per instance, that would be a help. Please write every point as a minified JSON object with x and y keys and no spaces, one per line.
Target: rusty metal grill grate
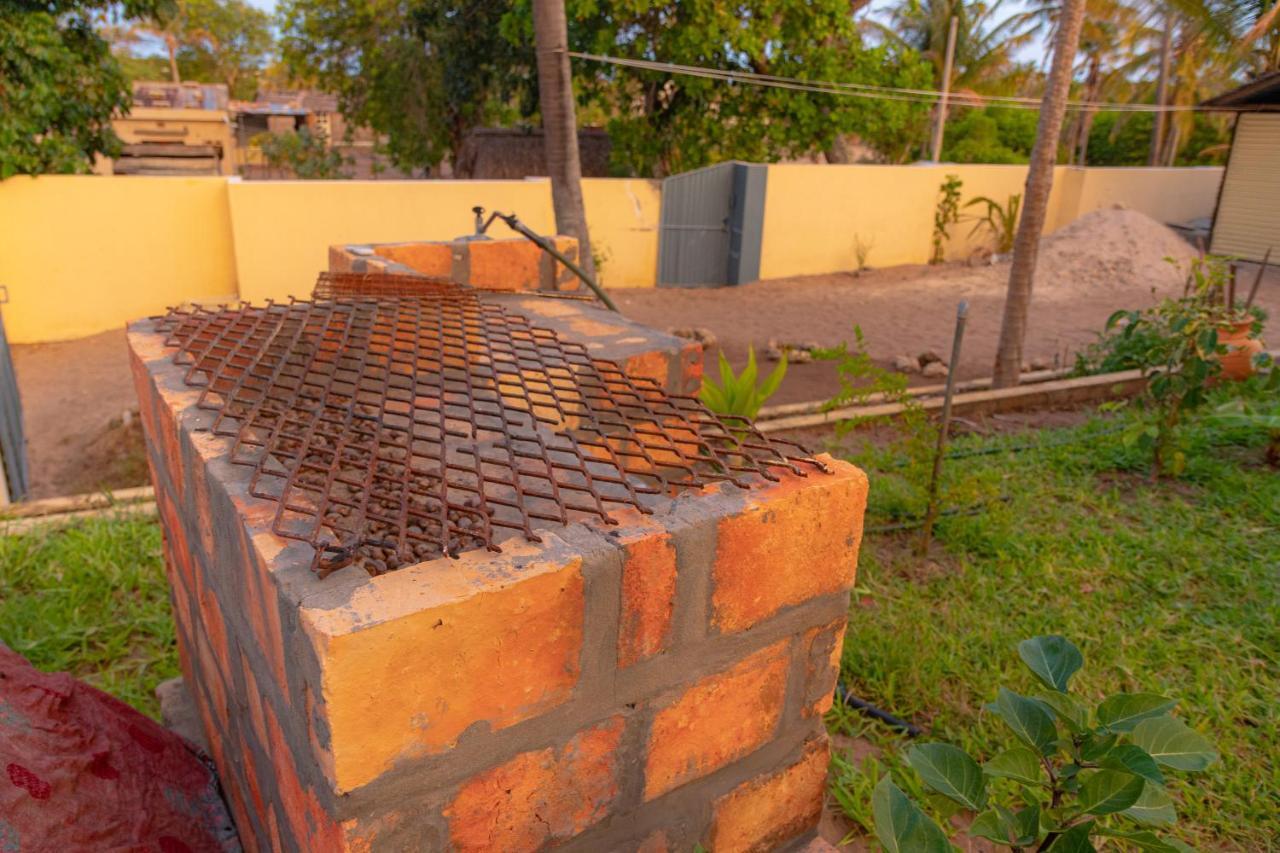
{"x":375,"y":285}
{"x":393,"y":429}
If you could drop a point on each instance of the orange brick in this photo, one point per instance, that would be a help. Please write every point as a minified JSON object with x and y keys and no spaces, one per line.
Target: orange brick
{"x":719,"y":720}
{"x":691,"y":369}
{"x":761,"y":814}
{"x":539,"y":797}
{"x":648,"y":595}
{"x":823,"y":649}
{"x":415,"y":657}
{"x":505,"y":264}
{"x":311,"y":825}
{"x":432,"y":259}
{"x":795,"y":540}
{"x":648,"y":365}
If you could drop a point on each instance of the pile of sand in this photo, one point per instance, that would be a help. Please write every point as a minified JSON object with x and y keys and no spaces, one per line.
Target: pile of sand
{"x":1111,"y":250}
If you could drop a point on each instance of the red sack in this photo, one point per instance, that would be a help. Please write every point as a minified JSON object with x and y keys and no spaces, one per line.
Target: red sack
{"x":80,"y":770}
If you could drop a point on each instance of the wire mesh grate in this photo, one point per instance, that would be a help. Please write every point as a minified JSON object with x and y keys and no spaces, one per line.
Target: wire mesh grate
{"x":390,"y":429}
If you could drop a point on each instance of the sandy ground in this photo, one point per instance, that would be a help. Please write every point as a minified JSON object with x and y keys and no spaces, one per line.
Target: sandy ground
{"x":1099,"y":264}
{"x":75,"y":392}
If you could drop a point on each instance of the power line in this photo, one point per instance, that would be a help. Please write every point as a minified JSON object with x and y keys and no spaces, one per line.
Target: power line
{"x":866,"y":90}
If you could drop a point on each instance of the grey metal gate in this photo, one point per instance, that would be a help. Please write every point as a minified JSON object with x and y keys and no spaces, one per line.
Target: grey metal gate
{"x":711,"y":226}
{"x":13,"y":443}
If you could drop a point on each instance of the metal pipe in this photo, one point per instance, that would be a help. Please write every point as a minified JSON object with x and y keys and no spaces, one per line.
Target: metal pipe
{"x":962,"y":314}
{"x":513,"y":222}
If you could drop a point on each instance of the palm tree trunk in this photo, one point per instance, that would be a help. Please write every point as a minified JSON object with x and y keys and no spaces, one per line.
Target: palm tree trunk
{"x":560,"y":126}
{"x":1035,"y":198}
{"x":1162,"y":88}
{"x":171,"y":45}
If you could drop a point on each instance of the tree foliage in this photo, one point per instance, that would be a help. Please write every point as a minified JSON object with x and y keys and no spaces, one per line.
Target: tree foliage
{"x":423,"y":72}
{"x":228,"y":41}
{"x":59,"y":84}
{"x":663,"y":124}
{"x":990,"y":135}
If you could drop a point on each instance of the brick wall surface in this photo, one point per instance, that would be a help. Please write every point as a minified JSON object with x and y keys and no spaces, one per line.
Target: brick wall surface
{"x":645,"y":686}
{"x":510,"y":264}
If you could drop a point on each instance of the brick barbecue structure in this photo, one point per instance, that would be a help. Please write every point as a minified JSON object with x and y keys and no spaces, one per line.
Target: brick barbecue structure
{"x":622,"y":641}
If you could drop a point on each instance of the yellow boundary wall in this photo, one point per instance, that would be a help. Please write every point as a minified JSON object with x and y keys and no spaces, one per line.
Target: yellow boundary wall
{"x":814,"y":215}
{"x":84,"y":254}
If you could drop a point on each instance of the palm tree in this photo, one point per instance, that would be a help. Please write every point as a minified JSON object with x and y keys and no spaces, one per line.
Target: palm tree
{"x":985,"y":40}
{"x":560,"y":126}
{"x":1013,"y":329}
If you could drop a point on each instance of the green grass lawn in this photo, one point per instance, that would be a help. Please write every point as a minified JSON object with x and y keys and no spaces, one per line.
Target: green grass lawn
{"x":1171,"y":587}
{"x":91,"y":599}
{"x":1168,"y":587}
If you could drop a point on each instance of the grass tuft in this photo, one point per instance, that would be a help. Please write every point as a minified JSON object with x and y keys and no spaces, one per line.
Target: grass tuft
{"x":91,"y":599}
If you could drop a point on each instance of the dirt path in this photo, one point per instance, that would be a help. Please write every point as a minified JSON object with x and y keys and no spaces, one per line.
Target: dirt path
{"x":901,"y":310}
{"x":74,"y":394}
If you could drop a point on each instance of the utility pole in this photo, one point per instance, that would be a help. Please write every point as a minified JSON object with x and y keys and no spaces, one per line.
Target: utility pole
{"x":1162,"y":86}
{"x":940,"y":122}
{"x":560,"y":125}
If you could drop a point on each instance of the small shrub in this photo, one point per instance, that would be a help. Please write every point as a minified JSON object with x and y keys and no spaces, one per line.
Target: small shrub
{"x":1000,"y":220}
{"x":302,"y":152}
{"x":1175,"y":345}
{"x":739,"y":396}
{"x":1077,"y":773}
{"x":945,"y":215}
{"x":862,"y":251}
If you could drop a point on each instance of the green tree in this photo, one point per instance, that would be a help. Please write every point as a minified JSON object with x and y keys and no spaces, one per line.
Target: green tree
{"x":229,"y":41}
{"x":661,"y":123}
{"x":307,"y":155}
{"x":59,"y":84}
{"x":990,"y":135}
{"x":422,"y":72}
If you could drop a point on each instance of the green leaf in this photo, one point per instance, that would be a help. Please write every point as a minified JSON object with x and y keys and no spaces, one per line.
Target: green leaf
{"x":1068,"y":709}
{"x":991,"y":826}
{"x":774,"y":380}
{"x":900,"y":824}
{"x":1109,"y":791}
{"x":1123,"y":711}
{"x":1026,"y":825}
{"x":1054,"y":659}
{"x":1154,"y":807}
{"x":1074,"y":840}
{"x":1028,"y":719}
{"x":1095,"y":746}
{"x":950,"y":771}
{"x":1019,"y":764}
{"x":1133,"y":759}
{"x":1173,"y":743}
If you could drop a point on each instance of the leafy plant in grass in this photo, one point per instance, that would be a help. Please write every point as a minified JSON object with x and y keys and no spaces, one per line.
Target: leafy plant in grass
{"x":946,"y":214}
{"x":1257,"y":408}
{"x":1001,"y":220}
{"x":1076,"y":774}
{"x":1176,"y":346}
{"x":743,"y":394}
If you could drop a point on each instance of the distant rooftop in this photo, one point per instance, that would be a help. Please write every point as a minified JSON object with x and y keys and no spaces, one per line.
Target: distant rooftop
{"x":1260,"y":94}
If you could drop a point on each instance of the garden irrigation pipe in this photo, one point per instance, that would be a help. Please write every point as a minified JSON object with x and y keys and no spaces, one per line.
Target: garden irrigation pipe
{"x":876,"y":713}
{"x":513,"y":222}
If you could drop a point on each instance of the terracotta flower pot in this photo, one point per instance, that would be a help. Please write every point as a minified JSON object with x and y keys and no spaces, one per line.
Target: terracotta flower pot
{"x":1237,"y":361}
